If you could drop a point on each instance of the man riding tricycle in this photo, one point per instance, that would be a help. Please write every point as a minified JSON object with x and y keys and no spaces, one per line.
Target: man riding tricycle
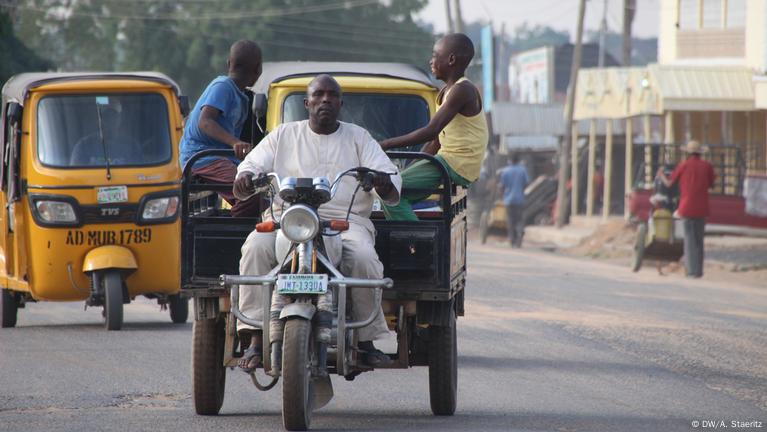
{"x":322,"y":275}
{"x":90,"y":191}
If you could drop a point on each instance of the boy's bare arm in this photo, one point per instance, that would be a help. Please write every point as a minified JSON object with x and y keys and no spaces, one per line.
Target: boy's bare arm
{"x":460,"y":96}
{"x":432,"y":147}
{"x":210,"y":127}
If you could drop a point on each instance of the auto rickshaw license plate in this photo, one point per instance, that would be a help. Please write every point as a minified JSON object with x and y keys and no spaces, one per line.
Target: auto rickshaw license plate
{"x":302,"y":283}
{"x":112,"y":194}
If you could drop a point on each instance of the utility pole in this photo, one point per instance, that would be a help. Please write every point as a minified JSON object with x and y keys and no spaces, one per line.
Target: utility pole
{"x":458,"y":17}
{"x":449,"y":14}
{"x":501,"y":75}
{"x":564,"y":162}
{"x":602,"y":36}
{"x":629,"y":7}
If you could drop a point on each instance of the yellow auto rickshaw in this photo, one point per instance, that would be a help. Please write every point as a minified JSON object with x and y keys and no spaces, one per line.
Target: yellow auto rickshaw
{"x":90,"y":191}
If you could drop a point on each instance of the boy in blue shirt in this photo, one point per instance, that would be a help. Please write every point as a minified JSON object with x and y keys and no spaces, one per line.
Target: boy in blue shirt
{"x":217,"y":120}
{"x":513,"y":181}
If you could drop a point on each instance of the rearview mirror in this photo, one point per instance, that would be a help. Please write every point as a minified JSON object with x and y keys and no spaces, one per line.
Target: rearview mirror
{"x":259,"y":105}
{"x":183,"y":104}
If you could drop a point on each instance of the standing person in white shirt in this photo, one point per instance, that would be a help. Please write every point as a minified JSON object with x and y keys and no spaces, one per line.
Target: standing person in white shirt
{"x":320,"y":147}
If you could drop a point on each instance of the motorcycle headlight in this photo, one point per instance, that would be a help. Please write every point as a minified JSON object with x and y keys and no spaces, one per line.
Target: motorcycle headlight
{"x":300,"y":223}
{"x":56,"y":212}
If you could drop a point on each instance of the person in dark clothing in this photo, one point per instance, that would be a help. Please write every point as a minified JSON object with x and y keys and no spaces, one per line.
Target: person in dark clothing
{"x":513,"y":180}
{"x":695,"y":177}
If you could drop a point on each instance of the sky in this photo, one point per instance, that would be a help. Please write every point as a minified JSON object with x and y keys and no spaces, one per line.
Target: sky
{"x":559,"y":14}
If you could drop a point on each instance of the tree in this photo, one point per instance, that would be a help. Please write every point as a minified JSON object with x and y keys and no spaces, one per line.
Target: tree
{"x":189,"y":41}
{"x":15,"y":57}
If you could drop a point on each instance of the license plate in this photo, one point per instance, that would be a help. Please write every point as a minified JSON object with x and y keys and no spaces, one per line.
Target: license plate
{"x":112,"y":194}
{"x":302,"y":283}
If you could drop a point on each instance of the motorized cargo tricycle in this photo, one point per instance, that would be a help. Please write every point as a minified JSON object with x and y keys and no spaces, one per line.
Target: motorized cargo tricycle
{"x":90,"y":191}
{"x":424,"y":268}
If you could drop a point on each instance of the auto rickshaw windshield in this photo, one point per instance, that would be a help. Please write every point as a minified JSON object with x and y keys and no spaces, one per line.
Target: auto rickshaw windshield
{"x":383,"y":115}
{"x":83,"y":131}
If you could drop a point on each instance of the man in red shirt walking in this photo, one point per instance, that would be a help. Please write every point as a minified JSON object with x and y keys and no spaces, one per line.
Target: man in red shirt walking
{"x":695,"y":177}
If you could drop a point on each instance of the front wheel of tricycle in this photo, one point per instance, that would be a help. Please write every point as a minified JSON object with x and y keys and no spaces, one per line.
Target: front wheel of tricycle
{"x":9,"y":308}
{"x":113,"y":299}
{"x":443,"y":368}
{"x":179,"y":308}
{"x":639,"y":247}
{"x":296,"y":375}
{"x":208,"y":371}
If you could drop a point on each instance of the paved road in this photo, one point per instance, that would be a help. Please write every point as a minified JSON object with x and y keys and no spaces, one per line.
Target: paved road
{"x":548,"y":344}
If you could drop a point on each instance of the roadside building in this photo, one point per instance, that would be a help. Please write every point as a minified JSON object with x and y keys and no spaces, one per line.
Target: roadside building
{"x":709,"y":84}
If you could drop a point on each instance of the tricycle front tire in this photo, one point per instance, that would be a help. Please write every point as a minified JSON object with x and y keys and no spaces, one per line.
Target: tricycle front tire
{"x":113,"y":299}
{"x":296,"y":376}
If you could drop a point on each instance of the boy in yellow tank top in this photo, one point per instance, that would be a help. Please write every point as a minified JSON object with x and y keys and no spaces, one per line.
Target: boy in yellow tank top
{"x":457,"y":134}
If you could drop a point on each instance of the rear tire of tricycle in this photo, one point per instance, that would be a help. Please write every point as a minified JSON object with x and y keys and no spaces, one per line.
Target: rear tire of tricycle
{"x":9,"y":308}
{"x":208,"y":371}
{"x":113,"y":300}
{"x":296,"y":376}
{"x":639,"y":247}
{"x":179,"y":308}
{"x":443,"y":368}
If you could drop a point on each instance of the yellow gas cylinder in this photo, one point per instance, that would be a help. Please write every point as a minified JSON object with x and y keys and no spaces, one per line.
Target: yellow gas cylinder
{"x":662,"y":224}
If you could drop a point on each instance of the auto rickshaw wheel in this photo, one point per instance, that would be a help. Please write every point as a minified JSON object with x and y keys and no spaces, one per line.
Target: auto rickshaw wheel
{"x":443,"y":367}
{"x":639,"y":247}
{"x":208,"y":371}
{"x":113,"y":299}
{"x":179,"y":308}
{"x":296,"y":374}
{"x":9,"y":308}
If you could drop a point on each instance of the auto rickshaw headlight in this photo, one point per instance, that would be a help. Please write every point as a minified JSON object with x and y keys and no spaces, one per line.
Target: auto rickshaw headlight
{"x":300,"y":223}
{"x":160,"y":208}
{"x":56,"y":211}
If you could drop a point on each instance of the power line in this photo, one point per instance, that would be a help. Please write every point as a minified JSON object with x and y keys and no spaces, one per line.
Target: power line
{"x":307,"y":47}
{"x":203,"y":17}
{"x":365,"y":26}
{"x":343,"y":34}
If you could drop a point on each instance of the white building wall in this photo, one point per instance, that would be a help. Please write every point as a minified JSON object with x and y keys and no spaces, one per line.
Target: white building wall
{"x":667,"y":31}
{"x":756,"y":35}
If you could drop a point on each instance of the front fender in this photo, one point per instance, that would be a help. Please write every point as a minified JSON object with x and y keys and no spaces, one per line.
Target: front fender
{"x":303,"y":310}
{"x":109,"y":257}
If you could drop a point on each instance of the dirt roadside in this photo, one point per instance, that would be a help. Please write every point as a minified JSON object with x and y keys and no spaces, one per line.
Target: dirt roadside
{"x":740,"y":260}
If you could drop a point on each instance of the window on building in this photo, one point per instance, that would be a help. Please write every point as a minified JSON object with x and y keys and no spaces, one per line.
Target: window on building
{"x":688,"y":14}
{"x":736,"y":14}
{"x":712,"y":14}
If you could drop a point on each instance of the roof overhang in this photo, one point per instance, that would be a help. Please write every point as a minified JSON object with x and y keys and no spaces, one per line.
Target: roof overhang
{"x":627,"y":92}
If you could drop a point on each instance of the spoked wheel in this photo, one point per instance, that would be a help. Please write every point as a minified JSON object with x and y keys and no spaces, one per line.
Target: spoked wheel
{"x":9,"y":308}
{"x":443,"y":368}
{"x":179,"y":308}
{"x":113,"y":299}
{"x":296,"y":374}
{"x":639,"y":247}
{"x":484,"y":229}
{"x":208,"y":371}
